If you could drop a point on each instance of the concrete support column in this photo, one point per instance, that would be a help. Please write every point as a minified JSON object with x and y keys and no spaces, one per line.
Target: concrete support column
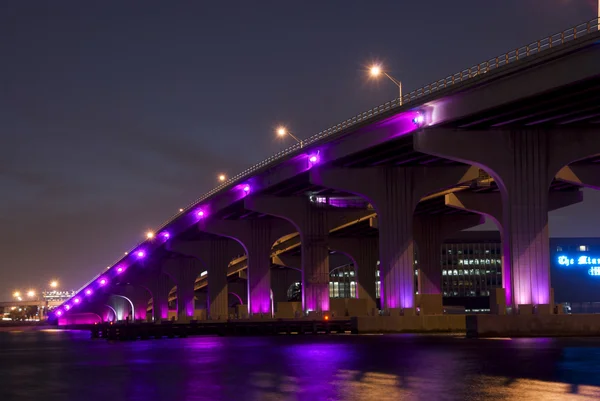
{"x":313,"y":223}
{"x":394,"y":192}
{"x":523,"y":164}
{"x":216,"y":254}
{"x":364,"y":252}
{"x":185,"y":271}
{"x":430,"y":231}
{"x":257,"y":237}
{"x":159,"y":285}
{"x":490,"y":205}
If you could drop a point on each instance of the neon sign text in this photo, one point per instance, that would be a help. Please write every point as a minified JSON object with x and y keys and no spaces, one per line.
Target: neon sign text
{"x":592,"y":263}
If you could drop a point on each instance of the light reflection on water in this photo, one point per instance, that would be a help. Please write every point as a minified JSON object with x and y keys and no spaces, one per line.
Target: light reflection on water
{"x":55,"y":365}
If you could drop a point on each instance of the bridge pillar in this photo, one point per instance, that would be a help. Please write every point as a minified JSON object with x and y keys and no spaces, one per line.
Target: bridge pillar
{"x":257,"y":237}
{"x":523,"y":163}
{"x":490,"y":205}
{"x":184,"y":271}
{"x":430,"y":231}
{"x":159,"y":285}
{"x":313,"y":224}
{"x":394,"y":192}
{"x":216,"y":254}
{"x":364,"y":253}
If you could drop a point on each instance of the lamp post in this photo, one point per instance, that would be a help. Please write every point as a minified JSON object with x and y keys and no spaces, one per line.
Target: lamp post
{"x":282,"y":131}
{"x":376,"y":71}
{"x":222,"y":177}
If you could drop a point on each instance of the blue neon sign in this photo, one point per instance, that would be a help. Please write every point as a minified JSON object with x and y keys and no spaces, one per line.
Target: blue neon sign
{"x":587,"y":261}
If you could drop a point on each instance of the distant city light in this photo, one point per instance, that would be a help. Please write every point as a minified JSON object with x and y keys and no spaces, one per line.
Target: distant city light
{"x":31,"y":293}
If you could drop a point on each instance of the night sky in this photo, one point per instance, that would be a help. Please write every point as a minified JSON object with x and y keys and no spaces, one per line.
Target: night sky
{"x":114,"y":116}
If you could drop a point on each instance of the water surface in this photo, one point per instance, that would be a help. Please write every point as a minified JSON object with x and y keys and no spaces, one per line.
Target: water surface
{"x":68,"y":365}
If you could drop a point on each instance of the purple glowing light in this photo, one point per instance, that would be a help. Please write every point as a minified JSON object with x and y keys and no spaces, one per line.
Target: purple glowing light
{"x":419,"y":119}
{"x":88,"y":292}
{"x":313,"y":159}
{"x":119,"y":269}
{"x":76,"y":300}
{"x":165,"y":235}
{"x":140,"y":254}
{"x":246,"y":188}
{"x":103,"y":281}
{"x":201,"y":213}
{"x":58,"y":313}
{"x":67,"y":307}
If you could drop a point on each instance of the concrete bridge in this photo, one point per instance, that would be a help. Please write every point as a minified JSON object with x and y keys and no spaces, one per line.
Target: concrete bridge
{"x":511,"y":139}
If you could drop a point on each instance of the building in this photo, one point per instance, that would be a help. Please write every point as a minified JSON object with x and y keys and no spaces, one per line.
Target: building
{"x":471,"y":264}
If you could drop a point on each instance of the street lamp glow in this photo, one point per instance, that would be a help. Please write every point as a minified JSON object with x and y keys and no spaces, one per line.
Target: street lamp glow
{"x":31,"y":293}
{"x":17,"y":294}
{"x":54,"y":284}
{"x":375,"y":70}
{"x":149,"y":235}
{"x":282,"y":131}
{"x":222,"y":177}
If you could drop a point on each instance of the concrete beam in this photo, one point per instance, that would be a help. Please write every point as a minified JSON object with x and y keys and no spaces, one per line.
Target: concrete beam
{"x":585,"y":176}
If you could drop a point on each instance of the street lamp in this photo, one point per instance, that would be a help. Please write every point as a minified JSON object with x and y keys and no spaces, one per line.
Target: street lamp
{"x":53,"y":284}
{"x":16,"y":294}
{"x":31,"y":293}
{"x":376,"y":71}
{"x":282,"y":131}
{"x":222,"y":177}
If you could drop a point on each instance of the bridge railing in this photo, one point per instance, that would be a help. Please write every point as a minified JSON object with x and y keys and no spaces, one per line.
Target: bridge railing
{"x":408,"y":99}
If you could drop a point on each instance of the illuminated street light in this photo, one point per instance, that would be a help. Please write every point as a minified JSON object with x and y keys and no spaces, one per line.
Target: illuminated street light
{"x":222,"y":177}
{"x":149,"y":235}
{"x":282,"y":131}
{"x":376,"y":71}
{"x":54,"y":284}
{"x":17,"y":294}
{"x":31,"y":293}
